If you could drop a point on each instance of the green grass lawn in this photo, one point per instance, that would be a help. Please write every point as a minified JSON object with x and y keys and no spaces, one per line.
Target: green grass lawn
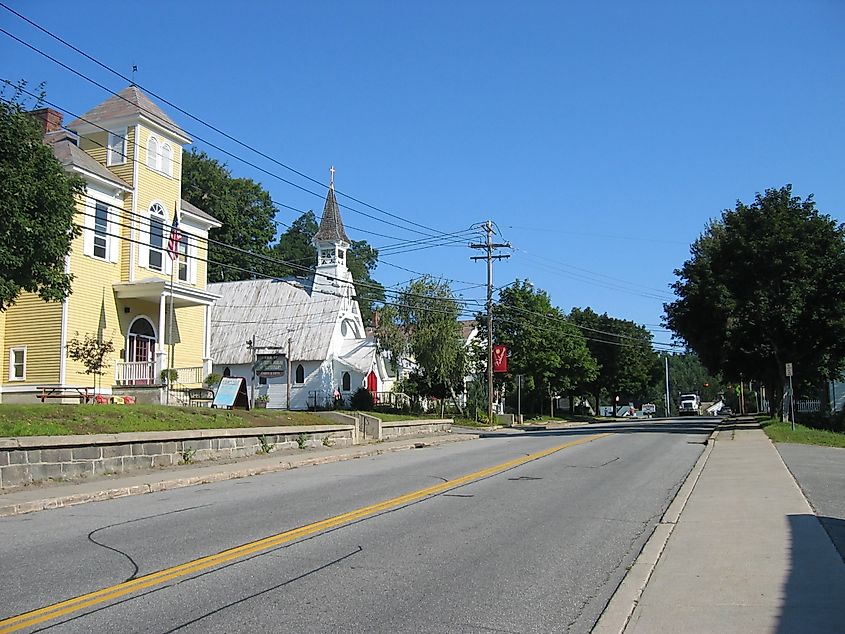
{"x":58,"y":420}
{"x":779,"y":431}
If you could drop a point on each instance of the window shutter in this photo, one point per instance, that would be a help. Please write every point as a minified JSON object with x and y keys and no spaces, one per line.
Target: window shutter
{"x":88,"y":227}
{"x":144,"y":242}
{"x":192,"y":261}
{"x":116,"y":231}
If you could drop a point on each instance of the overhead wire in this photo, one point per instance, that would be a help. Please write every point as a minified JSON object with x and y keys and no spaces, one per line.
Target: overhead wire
{"x":228,"y":153}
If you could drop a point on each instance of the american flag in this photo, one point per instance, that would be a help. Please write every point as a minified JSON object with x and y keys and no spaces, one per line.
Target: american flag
{"x":175,"y":238}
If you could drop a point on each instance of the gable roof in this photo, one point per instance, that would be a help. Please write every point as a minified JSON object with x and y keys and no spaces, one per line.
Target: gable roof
{"x":331,"y":225}
{"x":129,"y":102}
{"x":70,"y":155}
{"x":275,"y":310}
{"x":196,"y":211}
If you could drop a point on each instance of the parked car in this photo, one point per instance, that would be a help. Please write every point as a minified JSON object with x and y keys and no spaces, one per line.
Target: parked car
{"x":726,"y":411}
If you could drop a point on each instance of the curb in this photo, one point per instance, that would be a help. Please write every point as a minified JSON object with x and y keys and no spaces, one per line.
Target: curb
{"x":616,"y":615}
{"x":73,"y":499}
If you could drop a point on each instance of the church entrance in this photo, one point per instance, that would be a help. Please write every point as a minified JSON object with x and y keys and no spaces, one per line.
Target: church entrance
{"x":372,"y":385}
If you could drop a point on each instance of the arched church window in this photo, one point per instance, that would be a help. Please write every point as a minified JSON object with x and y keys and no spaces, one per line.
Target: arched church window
{"x":300,"y":374}
{"x":347,"y":382}
{"x":227,"y":372}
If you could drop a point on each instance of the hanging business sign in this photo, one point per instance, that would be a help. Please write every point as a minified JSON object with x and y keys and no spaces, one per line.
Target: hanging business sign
{"x":500,"y":358}
{"x":270,"y":365}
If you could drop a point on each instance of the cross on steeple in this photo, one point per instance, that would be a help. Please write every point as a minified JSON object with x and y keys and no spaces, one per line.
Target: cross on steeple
{"x":331,"y":177}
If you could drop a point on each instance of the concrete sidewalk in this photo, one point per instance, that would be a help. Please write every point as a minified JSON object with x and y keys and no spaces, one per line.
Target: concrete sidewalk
{"x":41,"y":497}
{"x":740,"y":550}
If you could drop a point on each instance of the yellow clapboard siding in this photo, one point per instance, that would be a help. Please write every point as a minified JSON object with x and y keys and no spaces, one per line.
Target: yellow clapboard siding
{"x":92,"y":306}
{"x":191,"y":322}
{"x":36,"y":324}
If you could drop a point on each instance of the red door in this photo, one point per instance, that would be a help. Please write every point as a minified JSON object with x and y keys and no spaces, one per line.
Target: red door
{"x":372,"y":385}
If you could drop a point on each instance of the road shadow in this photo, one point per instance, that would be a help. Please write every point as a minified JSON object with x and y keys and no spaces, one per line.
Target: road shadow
{"x":686,"y":426}
{"x":812,"y":598}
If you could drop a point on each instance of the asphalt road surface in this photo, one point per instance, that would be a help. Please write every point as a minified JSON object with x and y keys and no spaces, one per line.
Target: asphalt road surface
{"x":535,"y":537}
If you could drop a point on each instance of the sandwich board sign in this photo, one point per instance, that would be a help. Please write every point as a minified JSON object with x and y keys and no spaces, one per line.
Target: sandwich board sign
{"x":231,"y":393}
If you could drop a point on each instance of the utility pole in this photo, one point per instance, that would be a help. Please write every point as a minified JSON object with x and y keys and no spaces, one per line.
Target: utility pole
{"x":668,"y":406}
{"x":489,"y":246}
{"x":289,"y":368}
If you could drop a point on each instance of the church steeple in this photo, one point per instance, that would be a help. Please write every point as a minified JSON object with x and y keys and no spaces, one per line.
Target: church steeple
{"x":331,"y":225}
{"x":331,"y":241}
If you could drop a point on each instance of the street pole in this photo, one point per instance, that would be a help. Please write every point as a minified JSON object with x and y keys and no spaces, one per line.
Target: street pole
{"x":791,"y":402}
{"x":519,"y":398}
{"x":668,"y":408}
{"x":489,"y":246}
{"x":289,"y":368}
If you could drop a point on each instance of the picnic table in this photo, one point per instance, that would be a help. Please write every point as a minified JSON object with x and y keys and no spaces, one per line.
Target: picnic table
{"x":84,"y":394}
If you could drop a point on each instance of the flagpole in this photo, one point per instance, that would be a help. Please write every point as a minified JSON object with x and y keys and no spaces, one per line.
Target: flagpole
{"x":173,"y":254}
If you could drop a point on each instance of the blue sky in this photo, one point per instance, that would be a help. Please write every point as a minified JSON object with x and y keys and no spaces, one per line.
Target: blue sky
{"x":599,"y":137}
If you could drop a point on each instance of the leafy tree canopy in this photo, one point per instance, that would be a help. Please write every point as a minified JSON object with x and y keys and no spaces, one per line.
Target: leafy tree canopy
{"x":244,"y":208}
{"x":38,"y":208}
{"x":425,"y":325}
{"x":763,"y":287}
{"x":626,"y":361}
{"x":543,"y":345}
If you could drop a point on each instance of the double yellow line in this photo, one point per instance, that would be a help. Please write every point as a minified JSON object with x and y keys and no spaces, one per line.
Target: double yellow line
{"x":64,"y":608}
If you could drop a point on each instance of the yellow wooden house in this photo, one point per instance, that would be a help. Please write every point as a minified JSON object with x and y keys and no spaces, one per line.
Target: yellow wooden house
{"x":125,"y":280}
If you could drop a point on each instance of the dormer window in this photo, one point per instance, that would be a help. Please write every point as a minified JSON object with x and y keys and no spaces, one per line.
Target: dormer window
{"x":116,"y":153}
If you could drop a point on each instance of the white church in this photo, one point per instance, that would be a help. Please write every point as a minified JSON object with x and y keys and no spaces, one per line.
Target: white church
{"x":315,"y":322}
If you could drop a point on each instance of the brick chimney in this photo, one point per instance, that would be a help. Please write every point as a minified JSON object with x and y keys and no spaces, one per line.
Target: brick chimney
{"x":50,"y":119}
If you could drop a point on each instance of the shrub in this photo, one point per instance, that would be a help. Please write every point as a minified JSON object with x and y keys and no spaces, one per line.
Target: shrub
{"x":362,"y":400}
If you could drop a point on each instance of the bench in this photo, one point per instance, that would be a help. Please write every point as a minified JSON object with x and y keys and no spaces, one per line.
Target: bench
{"x":200,"y":397}
{"x":84,"y":394}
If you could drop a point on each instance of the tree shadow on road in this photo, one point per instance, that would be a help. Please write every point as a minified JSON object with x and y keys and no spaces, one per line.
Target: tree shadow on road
{"x":812,"y":597}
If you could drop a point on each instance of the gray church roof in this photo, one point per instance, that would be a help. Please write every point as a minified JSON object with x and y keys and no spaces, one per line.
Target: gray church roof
{"x":128,"y":103}
{"x":331,"y":226}
{"x":273,"y":311}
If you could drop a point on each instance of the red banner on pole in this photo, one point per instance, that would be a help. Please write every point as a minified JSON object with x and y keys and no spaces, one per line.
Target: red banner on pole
{"x":500,"y":358}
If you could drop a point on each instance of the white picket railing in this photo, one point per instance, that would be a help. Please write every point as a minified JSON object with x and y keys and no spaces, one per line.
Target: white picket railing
{"x":134,"y":373}
{"x":190,"y":376}
{"x":143,"y":373}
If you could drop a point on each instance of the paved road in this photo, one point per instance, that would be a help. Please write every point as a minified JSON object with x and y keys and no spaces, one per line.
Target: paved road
{"x":820,"y":472}
{"x":539,"y":547}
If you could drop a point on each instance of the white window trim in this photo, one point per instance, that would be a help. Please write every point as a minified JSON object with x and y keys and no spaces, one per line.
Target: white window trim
{"x":157,"y":163}
{"x":148,"y":234}
{"x":165,"y":169}
{"x":155,"y":156}
{"x":12,"y":351}
{"x":114,"y":157}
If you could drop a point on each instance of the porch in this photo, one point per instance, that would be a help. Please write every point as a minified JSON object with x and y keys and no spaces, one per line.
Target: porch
{"x":144,"y":373}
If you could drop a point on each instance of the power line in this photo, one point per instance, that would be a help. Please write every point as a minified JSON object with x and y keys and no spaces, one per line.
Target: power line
{"x":226,"y":152}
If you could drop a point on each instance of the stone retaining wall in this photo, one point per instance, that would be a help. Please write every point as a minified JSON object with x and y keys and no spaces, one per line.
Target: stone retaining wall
{"x":397,"y":429}
{"x":29,"y":459}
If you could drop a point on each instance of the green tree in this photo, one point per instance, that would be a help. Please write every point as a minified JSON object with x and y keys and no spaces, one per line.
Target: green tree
{"x":763,"y":287}
{"x":92,"y":352}
{"x":623,"y":352}
{"x":543,"y":344}
{"x":245,"y":210}
{"x":38,"y":208}
{"x":425,"y":326}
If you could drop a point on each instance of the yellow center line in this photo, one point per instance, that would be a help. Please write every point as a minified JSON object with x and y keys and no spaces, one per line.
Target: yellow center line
{"x":28,"y":619}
